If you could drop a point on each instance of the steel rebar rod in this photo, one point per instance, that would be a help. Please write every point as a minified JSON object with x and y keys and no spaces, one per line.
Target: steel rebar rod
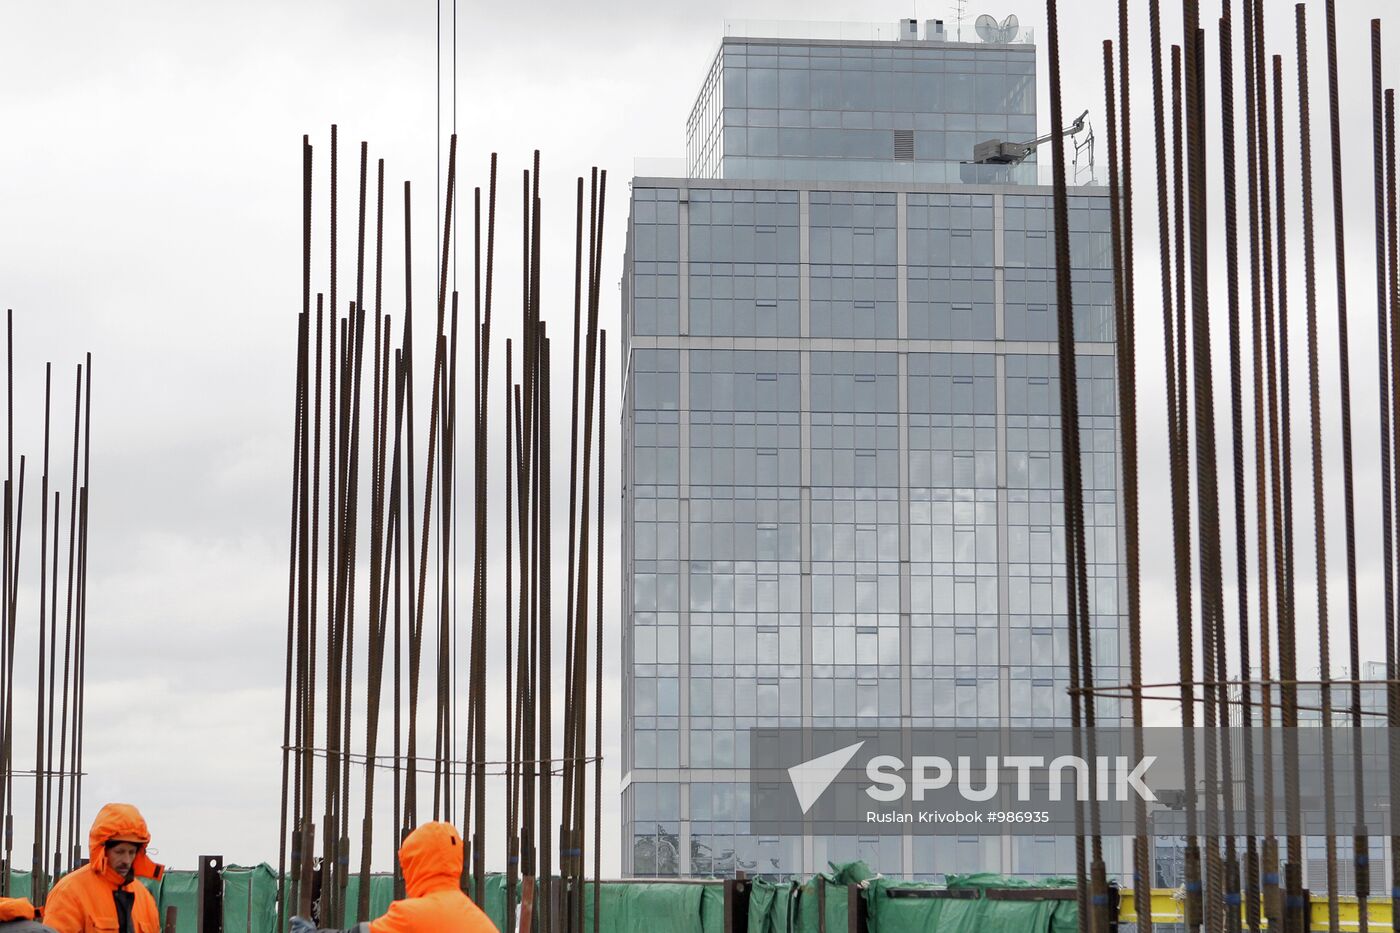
{"x":598,"y":633}
{"x":1315,"y":435}
{"x":1288,"y":658}
{"x":1175,"y":410}
{"x":1383,"y":372}
{"x":1361,"y":846}
{"x":7,"y":620}
{"x":405,"y":787}
{"x":507,"y":449}
{"x":446,"y":504}
{"x":435,"y":411}
{"x":378,"y":595}
{"x":80,"y":682}
{"x":570,"y":598}
{"x":1207,"y":496}
{"x":383,"y":542}
{"x":289,"y":695}
{"x":351,"y":552}
{"x":478,"y":507}
{"x":1125,"y":334}
{"x":483,"y":545}
{"x":310,"y":552}
{"x":546,"y":636}
{"x":1231,"y":895}
{"x":295,"y":619}
{"x":1273,"y":488}
{"x":13,"y":606}
{"x":1254,"y":891}
{"x":36,"y":871}
{"x":1175,"y":346}
{"x":516,"y":863}
{"x":69,"y":642}
{"x":1361,"y":853}
{"x":574,"y":787}
{"x":1392,"y":265}
{"x":334,"y":458}
{"x":1069,"y":411}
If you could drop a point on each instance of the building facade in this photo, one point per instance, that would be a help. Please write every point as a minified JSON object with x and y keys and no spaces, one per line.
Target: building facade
{"x":842,"y":491}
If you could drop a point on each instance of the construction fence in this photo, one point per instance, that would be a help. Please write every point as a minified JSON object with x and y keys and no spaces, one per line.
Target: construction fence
{"x":848,"y":899}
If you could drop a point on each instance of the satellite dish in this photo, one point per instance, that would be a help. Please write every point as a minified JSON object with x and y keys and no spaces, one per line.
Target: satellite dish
{"x":991,"y":31}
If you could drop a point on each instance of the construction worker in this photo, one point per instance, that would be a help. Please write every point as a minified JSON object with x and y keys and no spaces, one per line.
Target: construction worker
{"x":432,"y":858}
{"x":105,"y":895}
{"x":17,"y":915}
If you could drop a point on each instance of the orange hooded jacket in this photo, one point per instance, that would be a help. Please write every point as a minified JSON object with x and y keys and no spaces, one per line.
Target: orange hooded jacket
{"x":17,"y":915}
{"x":82,"y":900}
{"x":432,"y":857}
{"x":16,"y":908}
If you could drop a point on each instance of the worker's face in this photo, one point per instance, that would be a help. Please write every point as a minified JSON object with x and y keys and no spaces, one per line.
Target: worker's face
{"x":121,"y":855}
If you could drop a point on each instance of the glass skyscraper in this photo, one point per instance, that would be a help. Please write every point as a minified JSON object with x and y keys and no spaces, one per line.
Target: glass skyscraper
{"x":842,"y":494}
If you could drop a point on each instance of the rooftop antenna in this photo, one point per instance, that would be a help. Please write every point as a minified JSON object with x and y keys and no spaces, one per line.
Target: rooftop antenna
{"x":1083,"y":161}
{"x":960,"y":11}
{"x":989,"y":30}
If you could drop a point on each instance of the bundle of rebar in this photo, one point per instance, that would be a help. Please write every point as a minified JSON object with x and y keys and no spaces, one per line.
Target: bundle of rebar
{"x":58,"y":674}
{"x":408,"y":619}
{"x":1224,"y":888}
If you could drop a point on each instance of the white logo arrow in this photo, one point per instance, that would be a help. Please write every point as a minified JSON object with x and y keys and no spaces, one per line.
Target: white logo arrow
{"x":811,"y":778}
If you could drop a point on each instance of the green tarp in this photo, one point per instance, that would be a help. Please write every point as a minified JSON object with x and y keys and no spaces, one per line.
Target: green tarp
{"x":973,"y":915}
{"x":496,"y":900}
{"x":634,"y":906}
{"x":907,"y":913}
{"x":788,"y":908}
{"x":178,"y":889}
{"x":643,"y":908}
{"x":829,"y":889}
{"x":250,"y":904}
{"x":769,"y":905}
{"x":711,"y":908}
{"x":250,"y":899}
{"x":660,"y":907}
{"x":20,"y":885}
{"x":381,"y":894}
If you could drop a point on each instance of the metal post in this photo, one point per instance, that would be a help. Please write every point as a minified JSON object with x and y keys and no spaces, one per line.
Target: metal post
{"x":210,"y":896}
{"x":855,"y":909}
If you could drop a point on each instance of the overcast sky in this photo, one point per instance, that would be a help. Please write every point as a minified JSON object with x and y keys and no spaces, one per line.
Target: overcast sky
{"x":150,"y":212}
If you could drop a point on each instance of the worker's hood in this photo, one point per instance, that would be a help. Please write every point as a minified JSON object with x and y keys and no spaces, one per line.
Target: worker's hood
{"x":16,"y":908}
{"x":432,"y":858}
{"x":121,"y":822}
